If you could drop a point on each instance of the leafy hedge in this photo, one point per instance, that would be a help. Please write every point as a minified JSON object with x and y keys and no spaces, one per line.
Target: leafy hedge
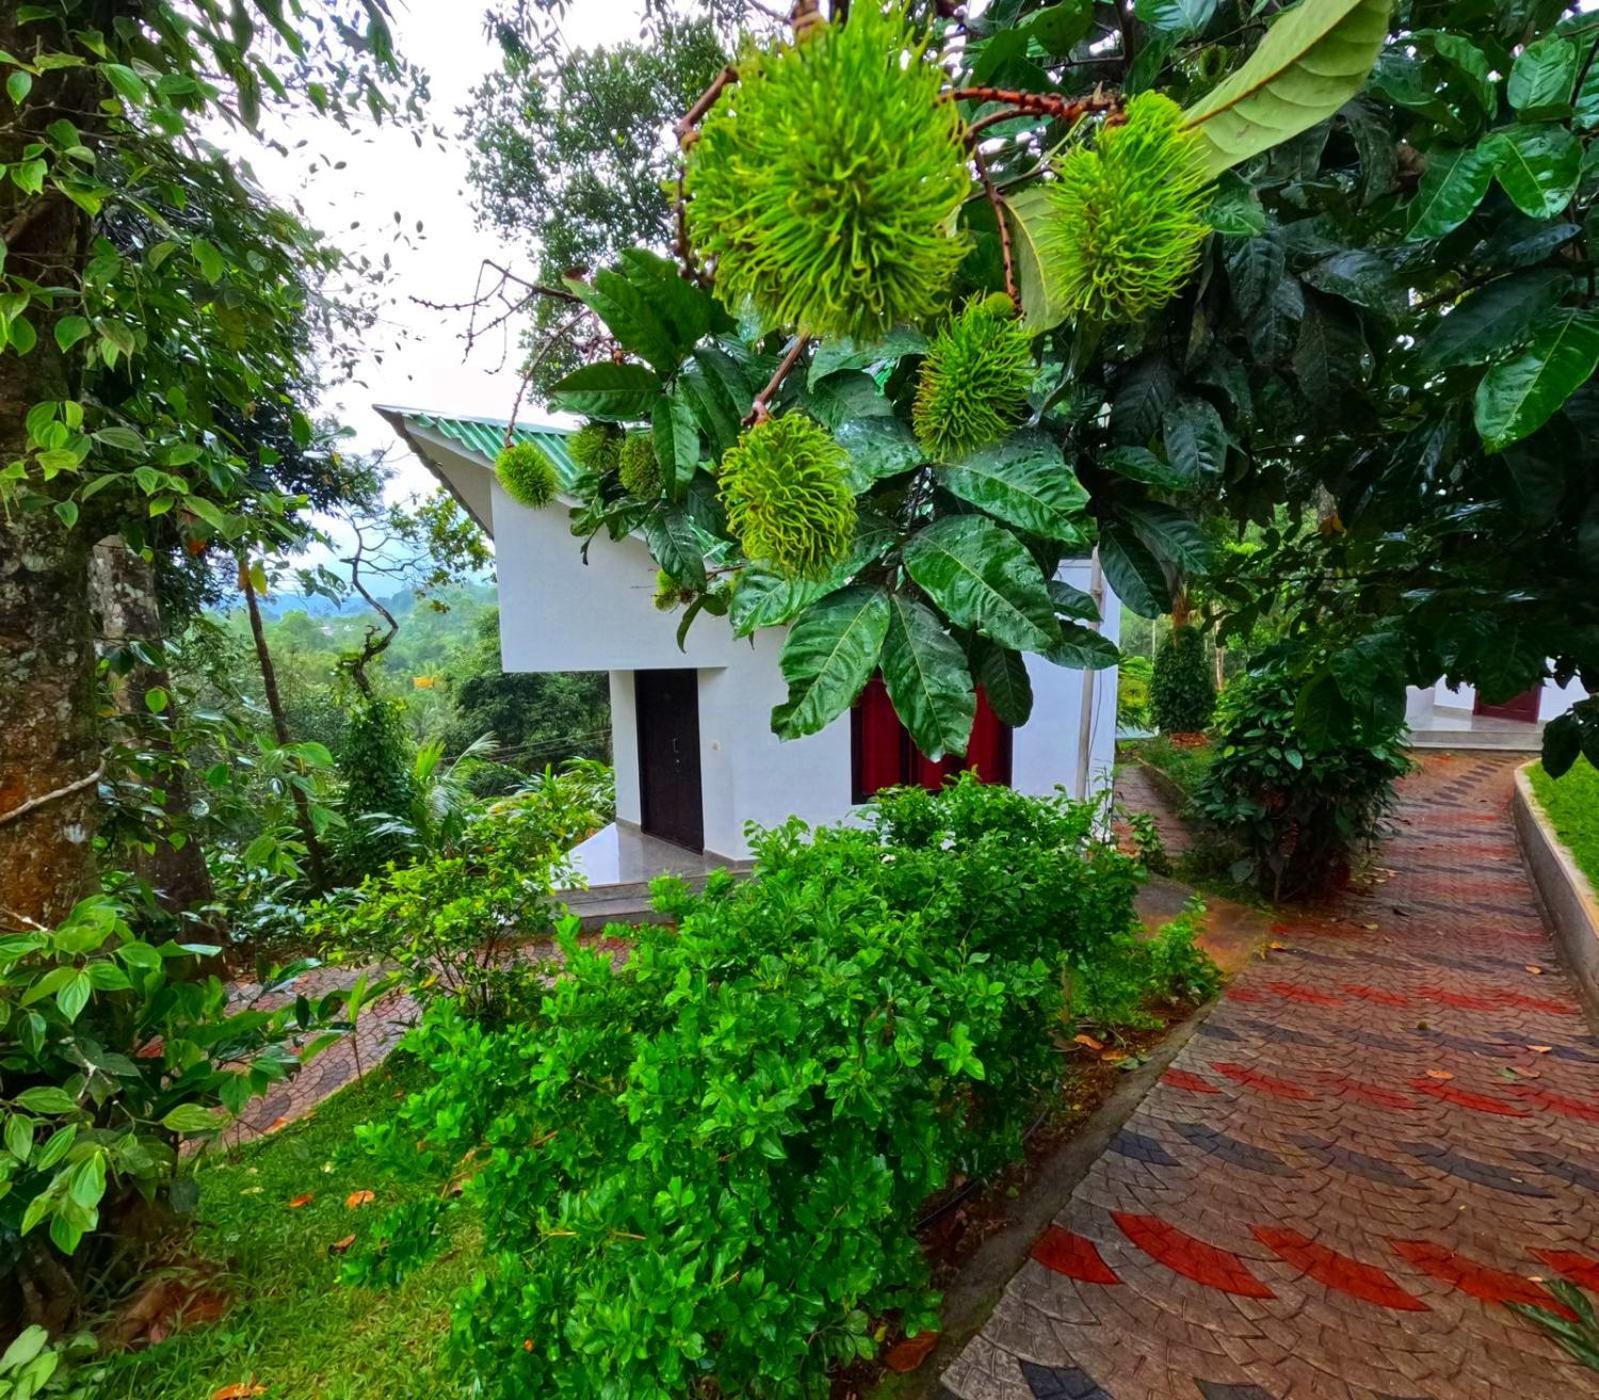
{"x":1182,"y":694}
{"x":698,"y":1173}
{"x":1294,"y":812}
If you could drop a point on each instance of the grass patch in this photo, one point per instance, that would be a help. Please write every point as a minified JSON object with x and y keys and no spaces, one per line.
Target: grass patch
{"x":293,"y":1327}
{"x":1186,"y":766}
{"x":1572,"y":806}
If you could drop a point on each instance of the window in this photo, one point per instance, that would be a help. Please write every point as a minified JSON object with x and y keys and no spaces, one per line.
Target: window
{"x":882,"y":754}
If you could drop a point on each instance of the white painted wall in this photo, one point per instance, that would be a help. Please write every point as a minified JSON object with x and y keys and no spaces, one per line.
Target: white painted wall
{"x":1552,"y":703}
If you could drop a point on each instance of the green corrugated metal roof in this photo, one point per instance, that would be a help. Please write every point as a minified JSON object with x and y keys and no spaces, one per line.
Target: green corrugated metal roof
{"x":485,"y":436}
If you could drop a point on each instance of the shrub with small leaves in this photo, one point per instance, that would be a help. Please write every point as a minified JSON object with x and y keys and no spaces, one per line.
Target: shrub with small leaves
{"x":638,"y":467}
{"x":699,"y":1170}
{"x":527,"y":474}
{"x":974,"y":381}
{"x":1128,"y":216}
{"x":596,"y":447}
{"x":785,"y":485}
{"x":1182,"y":688}
{"x":823,"y":185}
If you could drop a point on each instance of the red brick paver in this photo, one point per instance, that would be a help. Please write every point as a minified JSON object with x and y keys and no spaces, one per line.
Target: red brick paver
{"x":1383,"y":1133}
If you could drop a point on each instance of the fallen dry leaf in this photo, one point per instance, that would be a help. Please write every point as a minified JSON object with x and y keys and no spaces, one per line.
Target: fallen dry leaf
{"x":1089,"y":1042}
{"x":299,"y":1201}
{"x":339,"y":1246}
{"x":1540,"y":1049}
{"x":1439,"y":1074}
{"x":527,"y":1344}
{"x":1279,"y":947}
{"x":240,"y":1391}
{"x":1114,"y":1057}
{"x":1372,"y":927}
{"x":1535,"y":969}
{"x":909,"y":1354}
{"x":359,"y":1198}
{"x":277,"y":1124}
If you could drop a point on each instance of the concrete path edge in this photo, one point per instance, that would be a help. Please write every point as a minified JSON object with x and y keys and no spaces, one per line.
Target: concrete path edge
{"x":1570,"y":905}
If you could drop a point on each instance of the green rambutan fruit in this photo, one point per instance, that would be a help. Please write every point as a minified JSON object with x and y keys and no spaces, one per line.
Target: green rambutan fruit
{"x":973,"y":384}
{"x":527,"y":474}
{"x":823,"y":185}
{"x":785,"y":486}
{"x":668,"y":591}
{"x":639,"y":470}
{"x":1127,"y":218}
{"x":596,"y":447}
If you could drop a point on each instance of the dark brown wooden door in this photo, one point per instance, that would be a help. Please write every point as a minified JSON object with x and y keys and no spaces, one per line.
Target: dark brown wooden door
{"x":668,"y":705}
{"x":1522,"y":707}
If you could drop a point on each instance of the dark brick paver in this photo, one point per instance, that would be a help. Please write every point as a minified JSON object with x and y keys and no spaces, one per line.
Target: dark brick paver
{"x":1389,"y":1129}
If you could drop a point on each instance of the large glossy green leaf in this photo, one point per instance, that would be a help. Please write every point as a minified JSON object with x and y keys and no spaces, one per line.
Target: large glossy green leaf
{"x":834,"y":355}
{"x":878,"y":447}
{"x":677,"y":440}
{"x":1176,"y":16}
{"x":617,"y":393}
{"x":1314,"y":58}
{"x":1361,"y":278}
{"x":1169,"y":534}
{"x":1519,"y":395}
{"x":1492,"y":319}
{"x":1140,"y":464}
{"x":688,"y":312}
{"x":925,"y":671}
{"x":1542,"y":76}
{"x":1451,"y":190}
{"x":1083,"y":649}
{"x":1002,"y":673}
{"x":1071,"y":601}
{"x":677,"y":546}
{"x":631,"y":317}
{"x":763,"y":598}
{"x":982,"y":576}
{"x":1059,"y":27}
{"x":1027,"y":214}
{"x":1537,"y":166}
{"x":1196,"y":439}
{"x":1023,"y":481}
{"x":1135,"y":573}
{"x":831,"y":652}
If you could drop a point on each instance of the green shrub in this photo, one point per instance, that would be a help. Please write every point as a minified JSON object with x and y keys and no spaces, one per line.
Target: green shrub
{"x":452,"y":921}
{"x":377,"y":767}
{"x":1295,"y":815}
{"x":1182,"y":692}
{"x":1133,"y":678}
{"x":113,"y":1049}
{"x":698,"y":1173}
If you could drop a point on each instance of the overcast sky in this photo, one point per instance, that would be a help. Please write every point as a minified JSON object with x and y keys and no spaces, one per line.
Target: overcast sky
{"x":414,"y":356}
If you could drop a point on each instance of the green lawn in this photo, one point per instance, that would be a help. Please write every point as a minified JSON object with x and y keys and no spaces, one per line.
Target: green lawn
{"x":1185,"y":766}
{"x":1572,"y":803}
{"x":294,"y":1327}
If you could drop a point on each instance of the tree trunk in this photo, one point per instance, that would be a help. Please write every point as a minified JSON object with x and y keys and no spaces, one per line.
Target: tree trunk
{"x":49,"y":749}
{"x":124,"y":593}
{"x":280,"y":726}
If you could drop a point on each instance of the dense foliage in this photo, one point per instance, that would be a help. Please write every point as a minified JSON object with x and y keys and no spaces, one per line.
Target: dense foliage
{"x":1296,"y":814}
{"x":698,"y":1171}
{"x":1182,"y":687}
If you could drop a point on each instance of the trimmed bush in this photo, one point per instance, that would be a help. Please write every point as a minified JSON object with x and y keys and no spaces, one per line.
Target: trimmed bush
{"x":1295,"y":816}
{"x":699,"y":1172}
{"x":1182,"y":691}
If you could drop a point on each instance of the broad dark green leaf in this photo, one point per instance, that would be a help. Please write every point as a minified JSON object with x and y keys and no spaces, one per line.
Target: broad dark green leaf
{"x":1492,"y":319}
{"x":1377,"y":143}
{"x":1083,"y":649}
{"x":1071,"y":601}
{"x":1025,"y":482}
{"x":1135,"y":573}
{"x":1253,"y":271}
{"x":925,"y":671}
{"x":1002,"y":673}
{"x":1236,"y":210}
{"x":982,"y":576}
{"x":1562,"y":744}
{"x":1468,"y":62}
{"x":616,"y":393}
{"x":844,"y":395}
{"x":762,"y":598}
{"x":1314,"y":58}
{"x":677,"y":440}
{"x":1518,"y":396}
{"x":1140,"y":464}
{"x":1451,"y":190}
{"x":878,"y":447}
{"x":1169,"y":534}
{"x":1196,"y":439}
{"x":1330,"y":353}
{"x":835,"y":355}
{"x":677,"y":546}
{"x":1144,"y":393}
{"x":1176,"y":16}
{"x":831,"y":652}
{"x":1060,"y":27}
{"x":1274,"y":328}
{"x":1028,"y":213}
{"x":1359,"y":277}
{"x":1542,"y":76}
{"x":631,"y":317}
{"x":1537,"y":166}
{"x":688,"y":312}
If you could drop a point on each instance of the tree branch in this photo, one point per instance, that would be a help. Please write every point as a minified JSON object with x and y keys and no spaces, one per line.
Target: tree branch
{"x":1006,"y":252}
{"x":759,"y":410}
{"x":688,"y":129}
{"x":44,"y":799}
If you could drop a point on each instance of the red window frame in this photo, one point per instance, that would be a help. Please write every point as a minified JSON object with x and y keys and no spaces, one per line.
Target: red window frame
{"x":883,"y":756}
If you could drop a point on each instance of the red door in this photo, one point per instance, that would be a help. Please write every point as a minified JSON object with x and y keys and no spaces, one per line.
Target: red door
{"x":883,"y":755}
{"x":1523,"y":707}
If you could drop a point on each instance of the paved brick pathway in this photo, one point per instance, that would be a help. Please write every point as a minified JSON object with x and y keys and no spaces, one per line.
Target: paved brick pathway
{"x":1384,"y":1131}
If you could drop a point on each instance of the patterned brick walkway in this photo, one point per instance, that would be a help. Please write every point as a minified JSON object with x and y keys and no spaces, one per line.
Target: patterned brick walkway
{"x":1383,"y":1132}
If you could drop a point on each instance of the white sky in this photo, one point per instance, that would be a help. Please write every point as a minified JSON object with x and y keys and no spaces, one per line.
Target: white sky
{"x":421,"y":351}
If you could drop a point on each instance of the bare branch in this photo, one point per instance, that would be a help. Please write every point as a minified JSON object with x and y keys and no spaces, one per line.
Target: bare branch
{"x":1006,"y":252}
{"x":44,"y":799}
{"x":759,"y":410}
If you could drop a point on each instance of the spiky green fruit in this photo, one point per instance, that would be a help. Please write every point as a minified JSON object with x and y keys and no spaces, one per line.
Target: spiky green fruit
{"x":668,"y":592}
{"x":1127,"y":218}
{"x":823,"y":185}
{"x":973,"y":384}
{"x":596,"y":447}
{"x":639,"y":470}
{"x":527,"y":474}
{"x":785,"y":486}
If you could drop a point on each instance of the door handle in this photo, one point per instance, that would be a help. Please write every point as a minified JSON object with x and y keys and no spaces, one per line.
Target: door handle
{"x":675,"y":749}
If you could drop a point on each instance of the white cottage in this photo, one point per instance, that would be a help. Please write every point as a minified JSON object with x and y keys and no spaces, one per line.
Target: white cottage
{"x":695,"y":755}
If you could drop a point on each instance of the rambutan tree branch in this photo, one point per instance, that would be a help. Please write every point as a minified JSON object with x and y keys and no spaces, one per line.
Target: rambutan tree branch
{"x":760,"y":410}
{"x":1006,"y":252}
